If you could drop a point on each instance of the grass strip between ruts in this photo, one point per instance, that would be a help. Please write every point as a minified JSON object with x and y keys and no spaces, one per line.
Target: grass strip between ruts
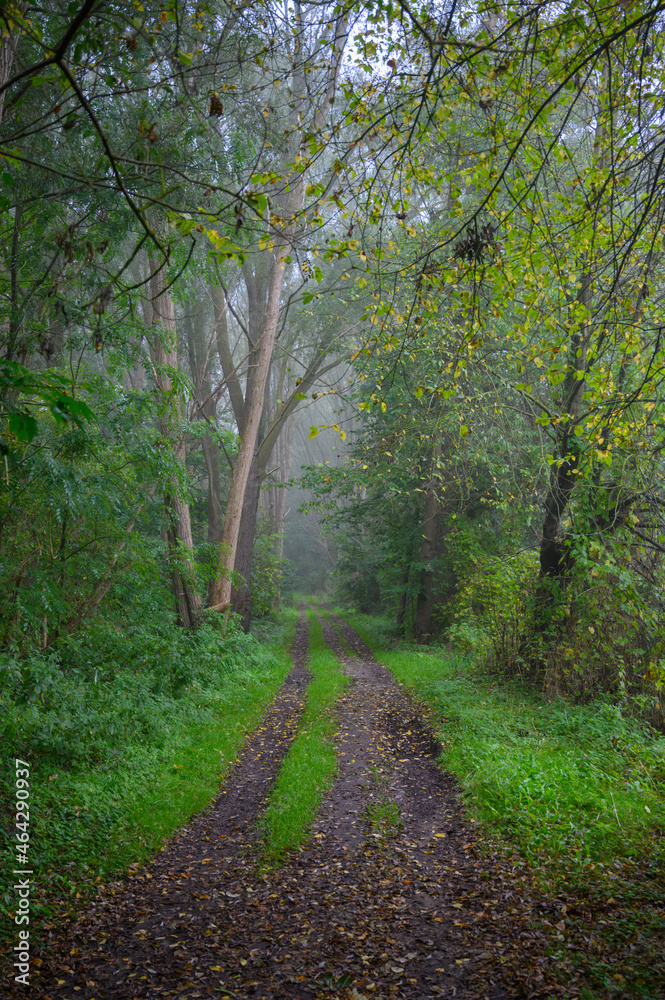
{"x":308,"y":769}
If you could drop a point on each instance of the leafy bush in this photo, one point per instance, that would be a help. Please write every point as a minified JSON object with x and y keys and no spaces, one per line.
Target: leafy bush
{"x":491,"y":608}
{"x":601,"y":631}
{"x":266,"y":575}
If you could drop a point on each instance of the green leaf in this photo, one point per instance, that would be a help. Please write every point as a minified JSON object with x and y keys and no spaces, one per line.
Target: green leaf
{"x":313,"y":432}
{"x":259,"y":202}
{"x":23,"y":426}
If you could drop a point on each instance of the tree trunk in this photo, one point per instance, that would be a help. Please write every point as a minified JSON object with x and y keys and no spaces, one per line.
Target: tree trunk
{"x":8,"y":47}
{"x":211,"y":456}
{"x":241,"y":595}
{"x":279,"y":506}
{"x":281,"y":428}
{"x":241,"y":598}
{"x":425,"y":601}
{"x":404,"y":586}
{"x":555,"y":555}
{"x":261,"y":347}
{"x":221,"y":591}
{"x":199,"y":348}
{"x":179,"y":526}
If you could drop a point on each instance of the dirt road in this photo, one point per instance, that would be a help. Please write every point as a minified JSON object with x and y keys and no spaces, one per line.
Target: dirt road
{"x":390,"y":898}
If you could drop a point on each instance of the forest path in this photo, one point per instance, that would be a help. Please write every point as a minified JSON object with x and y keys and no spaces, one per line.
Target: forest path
{"x":389,"y":897}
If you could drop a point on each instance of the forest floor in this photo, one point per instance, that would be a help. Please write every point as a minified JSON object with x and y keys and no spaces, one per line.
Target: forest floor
{"x":393,"y":895}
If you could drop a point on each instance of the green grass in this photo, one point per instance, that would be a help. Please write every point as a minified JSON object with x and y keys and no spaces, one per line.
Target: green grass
{"x":577,"y":791}
{"x":308,"y":769}
{"x":574,"y":787}
{"x":119,"y":764}
{"x":384,"y":817}
{"x":201,"y":757}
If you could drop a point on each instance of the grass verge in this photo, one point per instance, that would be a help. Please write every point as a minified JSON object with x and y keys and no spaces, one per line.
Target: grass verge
{"x":131,"y":786}
{"x":578,"y":790}
{"x":308,"y":769}
{"x":572,"y":785}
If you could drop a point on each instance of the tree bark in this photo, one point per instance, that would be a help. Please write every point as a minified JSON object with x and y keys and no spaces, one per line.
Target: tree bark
{"x":221,"y":590}
{"x":8,"y":48}
{"x":225,"y":357}
{"x":264,"y":312}
{"x":241,"y":595}
{"x":179,"y":527}
{"x":404,"y":586}
{"x":240,"y":599}
{"x":215,"y":523}
{"x":425,"y":600}
{"x":279,"y":506}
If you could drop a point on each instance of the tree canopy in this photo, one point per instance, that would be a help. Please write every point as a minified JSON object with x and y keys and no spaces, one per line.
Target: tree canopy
{"x":439,"y":225}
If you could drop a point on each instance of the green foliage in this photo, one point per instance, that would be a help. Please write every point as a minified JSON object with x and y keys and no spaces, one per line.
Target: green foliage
{"x":128,"y":731}
{"x":79,"y":509}
{"x":32,"y":392}
{"x":356,"y":578}
{"x":492,"y":608}
{"x":266,"y":577}
{"x":605,"y":634}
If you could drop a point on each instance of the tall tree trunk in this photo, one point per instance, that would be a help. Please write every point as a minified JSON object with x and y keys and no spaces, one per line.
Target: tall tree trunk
{"x":555,"y":555}
{"x":404,"y":586}
{"x":211,"y":457}
{"x":10,"y":38}
{"x":199,"y":348}
{"x":264,"y":451}
{"x":241,"y":599}
{"x":262,"y":346}
{"x":179,"y":525}
{"x":279,"y":506}
{"x":425,"y":600}
{"x":221,"y":591}
{"x":241,"y":595}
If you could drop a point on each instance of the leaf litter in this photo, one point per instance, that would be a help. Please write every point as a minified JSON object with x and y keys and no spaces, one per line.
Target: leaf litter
{"x":395,"y":894}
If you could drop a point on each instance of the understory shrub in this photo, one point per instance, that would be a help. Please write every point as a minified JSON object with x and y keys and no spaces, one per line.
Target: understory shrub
{"x":492,"y":607}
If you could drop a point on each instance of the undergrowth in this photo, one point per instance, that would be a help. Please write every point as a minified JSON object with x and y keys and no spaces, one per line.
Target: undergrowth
{"x":308,"y":769}
{"x":128,"y":733}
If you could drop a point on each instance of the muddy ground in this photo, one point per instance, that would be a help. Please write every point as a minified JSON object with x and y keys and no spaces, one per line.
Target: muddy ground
{"x":393,"y":895}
